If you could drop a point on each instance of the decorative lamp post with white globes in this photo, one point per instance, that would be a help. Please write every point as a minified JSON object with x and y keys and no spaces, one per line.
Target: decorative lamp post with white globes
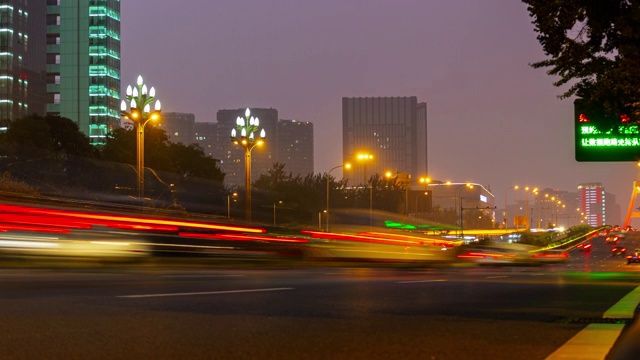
{"x":245,"y":135}
{"x":139,"y":101}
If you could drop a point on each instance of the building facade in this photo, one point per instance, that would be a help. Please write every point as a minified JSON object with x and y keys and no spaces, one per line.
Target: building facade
{"x":393,"y":130}
{"x":464,"y":197}
{"x":295,"y":146}
{"x":592,"y":202}
{"x":232,"y":156}
{"x":83,"y":64}
{"x":206,"y":135}
{"x":179,"y":127}
{"x":23,"y":72}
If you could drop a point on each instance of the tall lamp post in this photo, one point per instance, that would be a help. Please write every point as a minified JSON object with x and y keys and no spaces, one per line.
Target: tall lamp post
{"x":527,"y":210}
{"x":245,"y":135}
{"x":139,"y":102}
{"x":364,"y":158}
{"x":346,"y":166}
{"x":506,"y":205}
{"x":275,"y":204}
{"x":425,"y":180}
{"x":229,"y":203}
{"x":460,"y":187}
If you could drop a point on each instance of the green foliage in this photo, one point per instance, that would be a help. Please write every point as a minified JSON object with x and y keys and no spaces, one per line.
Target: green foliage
{"x":161,"y":154}
{"x":537,"y":239}
{"x":54,"y":135}
{"x":443,"y":216}
{"x":595,"y":46}
{"x":303,"y":198}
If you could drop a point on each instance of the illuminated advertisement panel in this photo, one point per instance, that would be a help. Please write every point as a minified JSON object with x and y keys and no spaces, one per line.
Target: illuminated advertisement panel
{"x":610,"y":140}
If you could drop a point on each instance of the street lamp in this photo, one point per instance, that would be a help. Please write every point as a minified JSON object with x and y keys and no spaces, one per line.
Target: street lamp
{"x":139,"y":102}
{"x":364,"y":158}
{"x":346,"y":166}
{"x":406,"y":182}
{"x":245,"y":135}
{"x":506,"y":205}
{"x":425,"y":180}
{"x":229,"y":203}
{"x":460,"y":187}
{"x":527,"y":210}
{"x":274,"y":211}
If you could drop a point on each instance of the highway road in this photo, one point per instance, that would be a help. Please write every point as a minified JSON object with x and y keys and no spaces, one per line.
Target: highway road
{"x":329,"y":312}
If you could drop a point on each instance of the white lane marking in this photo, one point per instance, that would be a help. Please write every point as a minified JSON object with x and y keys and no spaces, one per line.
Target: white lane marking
{"x":595,"y":341}
{"x":203,"y":293}
{"x":591,"y":343}
{"x":496,"y":277}
{"x":420,"y":281}
{"x":198,"y":276}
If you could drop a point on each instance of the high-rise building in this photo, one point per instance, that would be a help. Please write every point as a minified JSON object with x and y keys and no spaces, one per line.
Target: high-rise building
{"x":23,"y":34}
{"x":179,"y":127}
{"x":206,"y":135}
{"x":295,"y":146}
{"x":612,"y":209}
{"x":232,"y":156}
{"x":592,"y":200}
{"x":463,"y":197}
{"x":83,"y":63}
{"x":392,"y":129}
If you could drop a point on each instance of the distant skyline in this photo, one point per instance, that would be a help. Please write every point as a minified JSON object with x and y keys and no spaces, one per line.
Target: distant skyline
{"x":492,"y":119}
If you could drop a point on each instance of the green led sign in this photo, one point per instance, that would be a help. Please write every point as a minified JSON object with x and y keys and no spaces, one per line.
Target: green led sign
{"x":599,"y":137}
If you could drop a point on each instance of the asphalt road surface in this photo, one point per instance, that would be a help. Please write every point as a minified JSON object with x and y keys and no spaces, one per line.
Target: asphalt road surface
{"x":199,"y":312}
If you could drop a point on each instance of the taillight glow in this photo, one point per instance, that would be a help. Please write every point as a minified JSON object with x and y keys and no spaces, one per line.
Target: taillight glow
{"x":238,"y":237}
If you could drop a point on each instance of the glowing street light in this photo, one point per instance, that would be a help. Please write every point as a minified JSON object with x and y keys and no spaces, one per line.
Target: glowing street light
{"x":234,"y":194}
{"x":275,"y":203}
{"x":139,"y":102}
{"x":425,"y":180}
{"x":506,"y":205}
{"x":346,"y":166}
{"x":460,"y":187}
{"x":245,"y":135}
{"x":364,"y":158}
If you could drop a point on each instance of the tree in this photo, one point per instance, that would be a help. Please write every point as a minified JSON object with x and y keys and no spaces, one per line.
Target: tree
{"x":190,"y":160}
{"x":52,"y":134}
{"x":68,"y":139}
{"x":595,"y":47}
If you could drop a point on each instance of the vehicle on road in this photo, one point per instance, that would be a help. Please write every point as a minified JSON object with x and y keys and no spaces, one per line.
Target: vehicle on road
{"x":634,"y":258}
{"x":618,"y":250}
{"x":585,"y":246}
{"x":612,"y":239}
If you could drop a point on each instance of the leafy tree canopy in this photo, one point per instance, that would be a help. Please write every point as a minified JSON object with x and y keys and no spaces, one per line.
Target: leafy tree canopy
{"x":593,"y":45}
{"x":161,"y":154}
{"x":55,"y":134}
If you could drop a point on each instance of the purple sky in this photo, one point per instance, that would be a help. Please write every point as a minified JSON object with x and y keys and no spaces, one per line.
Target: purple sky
{"x":492,"y":119}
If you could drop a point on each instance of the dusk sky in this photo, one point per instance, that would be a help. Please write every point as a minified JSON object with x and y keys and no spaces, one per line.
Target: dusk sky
{"x":492,"y":119}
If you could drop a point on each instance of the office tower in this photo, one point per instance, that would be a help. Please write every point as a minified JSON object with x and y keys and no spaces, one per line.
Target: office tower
{"x":83,"y":64}
{"x":567,"y":214}
{"x":613,"y":210}
{"x":179,"y":127}
{"x":23,"y":29}
{"x":232,"y":156}
{"x":392,"y":129}
{"x":591,"y":197}
{"x":206,"y":135}
{"x":295,"y":146}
